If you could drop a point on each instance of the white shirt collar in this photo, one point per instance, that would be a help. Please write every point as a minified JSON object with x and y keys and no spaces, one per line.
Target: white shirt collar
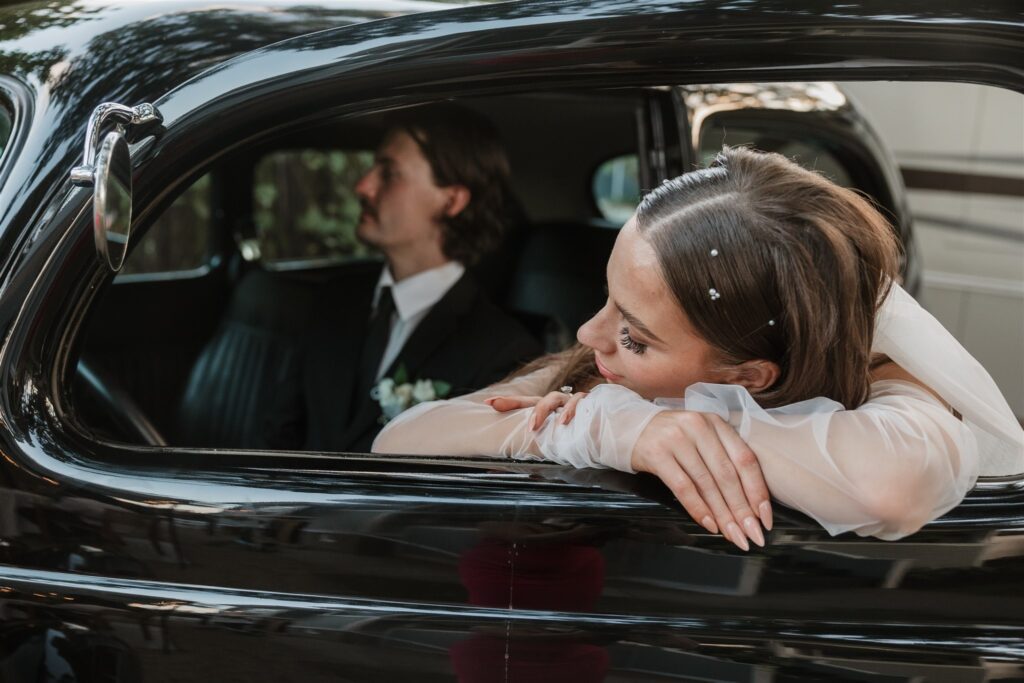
{"x":419,"y":292}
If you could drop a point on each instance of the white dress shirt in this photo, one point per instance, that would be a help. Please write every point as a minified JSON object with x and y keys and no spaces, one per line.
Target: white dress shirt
{"x":414,"y":297}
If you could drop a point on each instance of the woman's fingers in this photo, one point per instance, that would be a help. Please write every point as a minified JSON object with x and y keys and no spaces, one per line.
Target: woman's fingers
{"x":685,"y":450}
{"x":569,"y":409}
{"x":711,"y":514}
{"x":692,"y":462}
{"x":749,"y":469}
{"x":547,"y":405}
{"x":503,"y":404}
{"x":672,"y":475}
{"x":543,"y":406}
{"x":722,"y":477}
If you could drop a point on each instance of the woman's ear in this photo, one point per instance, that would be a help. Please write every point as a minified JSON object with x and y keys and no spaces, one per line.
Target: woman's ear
{"x":457,"y":201}
{"x":755,"y":375}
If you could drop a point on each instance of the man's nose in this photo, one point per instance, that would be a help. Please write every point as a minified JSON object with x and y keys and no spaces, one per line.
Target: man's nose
{"x":366,"y":188}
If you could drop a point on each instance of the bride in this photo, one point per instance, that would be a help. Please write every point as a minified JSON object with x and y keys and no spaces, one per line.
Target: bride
{"x":753,"y":340}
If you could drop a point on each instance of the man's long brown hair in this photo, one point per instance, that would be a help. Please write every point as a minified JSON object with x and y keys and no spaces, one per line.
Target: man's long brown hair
{"x":800,"y":266}
{"x":464,"y":148}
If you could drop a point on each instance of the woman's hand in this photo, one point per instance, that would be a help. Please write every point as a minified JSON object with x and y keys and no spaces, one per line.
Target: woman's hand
{"x":543,"y":406}
{"x":699,"y":456}
{"x":710,"y":469}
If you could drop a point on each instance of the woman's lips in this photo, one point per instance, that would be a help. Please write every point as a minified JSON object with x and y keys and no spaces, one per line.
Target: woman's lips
{"x":605,"y":372}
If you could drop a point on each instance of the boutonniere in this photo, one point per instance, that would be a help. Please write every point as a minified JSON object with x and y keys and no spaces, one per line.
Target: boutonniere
{"x":395,"y":394}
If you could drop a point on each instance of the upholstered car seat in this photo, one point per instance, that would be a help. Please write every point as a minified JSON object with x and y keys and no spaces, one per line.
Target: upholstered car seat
{"x":230,"y":389}
{"x":561,"y":273}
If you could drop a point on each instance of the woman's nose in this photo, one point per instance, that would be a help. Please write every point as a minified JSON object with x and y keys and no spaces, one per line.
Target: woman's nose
{"x":595,"y":333}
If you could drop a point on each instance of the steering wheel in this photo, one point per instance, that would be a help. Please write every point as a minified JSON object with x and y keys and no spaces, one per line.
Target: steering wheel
{"x":117,"y":404}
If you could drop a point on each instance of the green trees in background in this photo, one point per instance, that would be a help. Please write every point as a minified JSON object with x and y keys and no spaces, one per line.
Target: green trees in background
{"x":304,"y":208}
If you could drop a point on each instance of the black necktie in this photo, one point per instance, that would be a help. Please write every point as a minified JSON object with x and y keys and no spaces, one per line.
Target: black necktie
{"x":376,"y":341}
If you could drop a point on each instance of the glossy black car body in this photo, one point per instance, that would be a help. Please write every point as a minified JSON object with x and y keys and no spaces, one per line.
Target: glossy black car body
{"x":138,"y":563}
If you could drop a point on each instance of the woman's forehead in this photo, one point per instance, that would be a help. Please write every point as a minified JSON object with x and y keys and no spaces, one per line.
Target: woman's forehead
{"x":635,"y":282}
{"x":633,"y":263}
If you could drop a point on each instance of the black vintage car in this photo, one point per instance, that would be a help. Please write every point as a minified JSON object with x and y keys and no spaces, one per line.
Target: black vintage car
{"x":142,"y":538}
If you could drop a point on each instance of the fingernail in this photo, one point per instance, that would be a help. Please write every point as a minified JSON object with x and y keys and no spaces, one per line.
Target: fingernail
{"x":709,"y":524}
{"x":765,"y":513}
{"x":754,"y":531}
{"x":733,"y":533}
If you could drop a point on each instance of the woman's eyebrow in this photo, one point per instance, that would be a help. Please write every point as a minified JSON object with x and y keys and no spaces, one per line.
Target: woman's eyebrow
{"x":635,"y":322}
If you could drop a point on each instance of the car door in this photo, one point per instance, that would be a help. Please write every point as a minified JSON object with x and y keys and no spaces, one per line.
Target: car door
{"x":180,"y":563}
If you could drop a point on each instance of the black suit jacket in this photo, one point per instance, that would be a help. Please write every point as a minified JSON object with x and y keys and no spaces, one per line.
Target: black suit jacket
{"x":464,"y":340}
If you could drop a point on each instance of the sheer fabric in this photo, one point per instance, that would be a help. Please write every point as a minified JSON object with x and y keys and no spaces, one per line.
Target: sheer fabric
{"x":884,"y":469}
{"x":918,"y":343}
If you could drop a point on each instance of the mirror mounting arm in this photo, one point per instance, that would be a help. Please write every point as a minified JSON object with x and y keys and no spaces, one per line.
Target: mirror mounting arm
{"x":143,"y":114}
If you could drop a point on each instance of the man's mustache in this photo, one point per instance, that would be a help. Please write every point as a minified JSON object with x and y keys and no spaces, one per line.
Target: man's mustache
{"x":367,"y":209}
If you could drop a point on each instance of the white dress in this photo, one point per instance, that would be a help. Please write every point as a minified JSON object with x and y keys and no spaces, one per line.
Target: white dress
{"x":898,"y":461}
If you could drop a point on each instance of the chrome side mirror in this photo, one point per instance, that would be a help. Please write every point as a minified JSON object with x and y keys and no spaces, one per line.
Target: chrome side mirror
{"x":112,"y":200}
{"x":108,"y":169}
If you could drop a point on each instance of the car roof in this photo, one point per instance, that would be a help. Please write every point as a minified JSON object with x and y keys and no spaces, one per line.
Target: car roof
{"x":165,"y":41}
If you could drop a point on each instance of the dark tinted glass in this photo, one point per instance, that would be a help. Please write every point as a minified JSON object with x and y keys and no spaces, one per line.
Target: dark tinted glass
{"x":180,"y":238}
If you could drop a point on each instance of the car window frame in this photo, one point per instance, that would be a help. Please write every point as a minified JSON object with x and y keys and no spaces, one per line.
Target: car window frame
{"x":7,"y":116}
{"x":341,"y":461}
{"x":16,"y":99}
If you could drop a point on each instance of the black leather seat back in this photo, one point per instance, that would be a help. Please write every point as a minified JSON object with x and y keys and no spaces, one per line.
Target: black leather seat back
{"x":231,"y":386}
{"x":561,"y":272}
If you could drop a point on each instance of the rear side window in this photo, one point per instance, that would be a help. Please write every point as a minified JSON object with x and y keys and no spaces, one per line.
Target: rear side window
{"x":179,"y":243}
{"x":616,"y":188}
{"x":806,"y":150}
{"x":305,"y":208}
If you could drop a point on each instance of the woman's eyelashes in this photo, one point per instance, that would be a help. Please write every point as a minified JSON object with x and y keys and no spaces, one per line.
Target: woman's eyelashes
{"x":631,"y":344}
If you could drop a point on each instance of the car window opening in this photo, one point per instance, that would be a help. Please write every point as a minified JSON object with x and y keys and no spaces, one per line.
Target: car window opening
{"x":248,"y":248}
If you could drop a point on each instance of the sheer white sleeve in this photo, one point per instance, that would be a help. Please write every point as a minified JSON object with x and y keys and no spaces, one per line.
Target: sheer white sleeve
{"x":918,"y":343}
{"x":466,"y":425}
{"x":602,"y":434}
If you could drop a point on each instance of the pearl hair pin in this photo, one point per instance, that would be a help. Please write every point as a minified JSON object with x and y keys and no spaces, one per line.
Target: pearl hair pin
{"x":714,"y":252}
{"x":713,"y":293}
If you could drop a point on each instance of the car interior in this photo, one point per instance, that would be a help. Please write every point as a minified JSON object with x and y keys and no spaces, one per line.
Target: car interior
{"x":220,"y":284}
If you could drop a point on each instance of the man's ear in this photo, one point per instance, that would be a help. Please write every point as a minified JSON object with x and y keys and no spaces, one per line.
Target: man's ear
{"x":755,"y":375}
{"x":457,"y":201}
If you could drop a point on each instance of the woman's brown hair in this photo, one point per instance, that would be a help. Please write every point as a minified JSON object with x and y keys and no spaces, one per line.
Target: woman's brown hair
{"x":771,"y":261}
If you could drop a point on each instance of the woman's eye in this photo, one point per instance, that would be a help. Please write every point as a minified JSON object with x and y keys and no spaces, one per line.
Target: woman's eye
{"x":631,"y":344}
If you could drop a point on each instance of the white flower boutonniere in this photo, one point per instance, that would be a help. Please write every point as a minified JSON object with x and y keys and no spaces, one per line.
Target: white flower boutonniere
{"x":397,"y":393}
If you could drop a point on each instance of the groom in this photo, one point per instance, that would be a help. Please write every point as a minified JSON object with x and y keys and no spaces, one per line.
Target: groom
{"x":434,"y":201}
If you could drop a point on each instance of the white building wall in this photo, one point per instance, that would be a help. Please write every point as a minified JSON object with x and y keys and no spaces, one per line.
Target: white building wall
{"x":972,"y":243}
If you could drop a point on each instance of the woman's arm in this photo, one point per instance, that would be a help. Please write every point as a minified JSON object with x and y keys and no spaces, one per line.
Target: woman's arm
{"x":603,"y":437}
{"x":884,"y":469}
{"x":467,"y":426}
